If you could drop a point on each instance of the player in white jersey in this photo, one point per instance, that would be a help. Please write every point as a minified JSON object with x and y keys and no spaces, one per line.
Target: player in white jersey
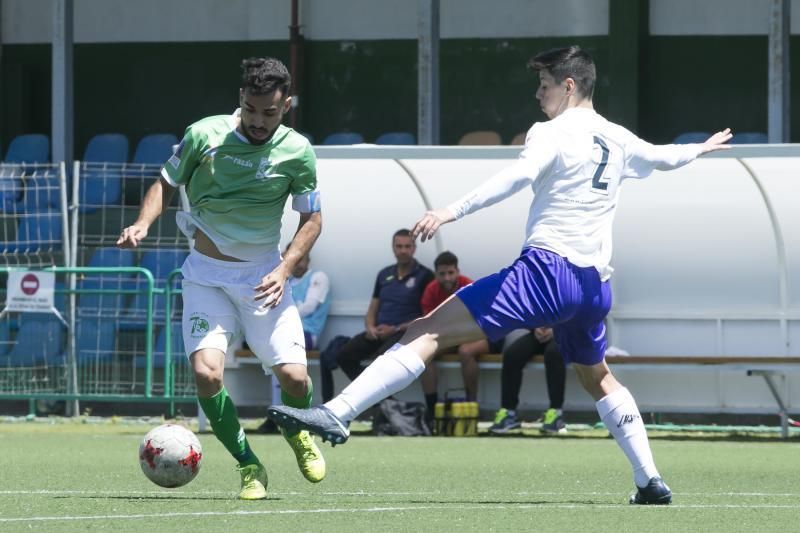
{"x":238,"y":171}
{"x":574,"y":163}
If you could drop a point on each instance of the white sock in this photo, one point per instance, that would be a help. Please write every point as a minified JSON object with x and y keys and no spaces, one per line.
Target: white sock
{"x":390,"y":373}
{"x":275,"y":385}
{"x":619,"y":413}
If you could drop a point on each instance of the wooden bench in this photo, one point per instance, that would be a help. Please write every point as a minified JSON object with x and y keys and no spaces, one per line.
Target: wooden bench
{"x":767,"y":367}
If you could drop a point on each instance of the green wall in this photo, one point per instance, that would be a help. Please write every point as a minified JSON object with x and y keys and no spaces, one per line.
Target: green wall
{"x":684,"y":83}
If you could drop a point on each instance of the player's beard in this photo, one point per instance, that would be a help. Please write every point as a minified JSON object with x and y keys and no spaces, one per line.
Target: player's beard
{"x":253,"y":140}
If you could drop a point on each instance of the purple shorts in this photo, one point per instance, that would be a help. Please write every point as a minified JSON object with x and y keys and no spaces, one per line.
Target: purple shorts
{"x":541,"y":289}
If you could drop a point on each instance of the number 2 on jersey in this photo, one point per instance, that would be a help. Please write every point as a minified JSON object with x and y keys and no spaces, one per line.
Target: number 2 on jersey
{"x":598,"y":185}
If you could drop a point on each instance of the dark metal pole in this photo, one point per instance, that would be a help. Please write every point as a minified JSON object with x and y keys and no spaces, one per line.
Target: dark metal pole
{"x":295,"y":62}
{"x":428,"y":72}
{"x":778,"y":118}
{"x":62,"y":118}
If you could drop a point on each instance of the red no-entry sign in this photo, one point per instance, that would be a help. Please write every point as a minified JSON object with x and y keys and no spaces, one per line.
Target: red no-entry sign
{"x":29,"y":284}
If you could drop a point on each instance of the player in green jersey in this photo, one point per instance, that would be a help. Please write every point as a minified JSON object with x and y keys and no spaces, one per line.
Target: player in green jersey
{"x":238,"y":171}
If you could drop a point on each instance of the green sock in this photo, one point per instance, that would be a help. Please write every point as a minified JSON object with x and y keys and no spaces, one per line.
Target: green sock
{"x":298,"y":403}
{"x":221,"y":413}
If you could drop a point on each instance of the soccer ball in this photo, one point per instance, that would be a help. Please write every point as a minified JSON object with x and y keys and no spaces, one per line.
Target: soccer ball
{"x":170,"y":455}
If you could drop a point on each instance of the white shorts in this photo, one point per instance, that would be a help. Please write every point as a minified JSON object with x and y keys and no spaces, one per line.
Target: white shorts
{"x":218,"y":307}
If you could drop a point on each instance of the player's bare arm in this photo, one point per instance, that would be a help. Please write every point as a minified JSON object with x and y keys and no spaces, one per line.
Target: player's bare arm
{"x":158,"y":196}
{"x":371,"y":318}
{"x":272,"y":285}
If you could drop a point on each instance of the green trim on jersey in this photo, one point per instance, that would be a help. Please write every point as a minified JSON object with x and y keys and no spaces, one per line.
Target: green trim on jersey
{"x":239,"y":190}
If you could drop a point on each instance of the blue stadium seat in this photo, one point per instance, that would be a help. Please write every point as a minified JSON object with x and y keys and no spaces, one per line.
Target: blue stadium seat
{"x":749,"y":137}
{"x":154,"y":149}
{"x":97,"y":313}
{"x":107,"y":148}
{"x":36,"y":232}
{"x":691,"y":137}
{"x":101,"y":172}
{"x":29,"y":190}
{"x":95,"y":340}
{"x":106,"y":304}
{"x":39,"y":340}
{"x":12,"y":189}
{"x":160,"y":263}
{"x":42,"y":191}
{"x":5,"y":337}
{"x":178,"y":350}
{"x":31,"y":148}
{"x":397,"y":138}
{"x":343,"y":137}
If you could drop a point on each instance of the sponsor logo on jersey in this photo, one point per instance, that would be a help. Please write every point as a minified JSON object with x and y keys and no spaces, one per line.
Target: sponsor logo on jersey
{"x":239,"y":162}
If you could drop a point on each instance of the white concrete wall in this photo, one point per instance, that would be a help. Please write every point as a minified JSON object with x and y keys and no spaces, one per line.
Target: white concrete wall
{"x":705,"y":256}
{"x":715,"y":17}
{"x":29,"y":21}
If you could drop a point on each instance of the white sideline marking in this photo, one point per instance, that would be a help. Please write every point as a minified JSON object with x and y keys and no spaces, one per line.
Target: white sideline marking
{"x":480,"y":507}
{"x":169,"y":493}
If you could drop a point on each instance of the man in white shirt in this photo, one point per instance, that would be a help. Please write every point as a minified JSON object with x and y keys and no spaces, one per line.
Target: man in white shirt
{"x":574,"y":163}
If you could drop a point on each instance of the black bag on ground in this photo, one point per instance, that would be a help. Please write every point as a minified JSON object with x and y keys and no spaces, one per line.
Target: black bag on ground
{"x":400,"y":418}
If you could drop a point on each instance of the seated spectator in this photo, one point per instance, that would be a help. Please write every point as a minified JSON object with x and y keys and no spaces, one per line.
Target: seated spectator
{"x":448,"y":281}
{"x":394,"y":305}
{"x":311,"y":291}
{"x":515,"y":357}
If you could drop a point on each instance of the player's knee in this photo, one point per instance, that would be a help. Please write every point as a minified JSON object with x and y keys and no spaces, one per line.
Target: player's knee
{"x":208,"y":378}
{"x":293,"y":379}
{"x":467,"y":353}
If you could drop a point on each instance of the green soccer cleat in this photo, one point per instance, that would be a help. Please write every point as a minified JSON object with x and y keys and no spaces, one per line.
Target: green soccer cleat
{"x":309,"y":458}
{"x":504,"y":423}
{"x":254,"y":482}
{"x":553,"y":423}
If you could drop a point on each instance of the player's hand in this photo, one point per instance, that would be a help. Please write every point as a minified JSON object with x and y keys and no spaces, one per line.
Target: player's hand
{"x":372,"y":333}
{"x":543,"y":335}
{"x":717,"y":141}
{"x":426,"y":226}
{"x":271,"y":287}
{"x":130,"y":236}
{"x":383,"y":331}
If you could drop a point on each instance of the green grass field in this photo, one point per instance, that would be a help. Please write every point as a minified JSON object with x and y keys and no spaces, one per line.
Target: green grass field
{"x":79,"y":477}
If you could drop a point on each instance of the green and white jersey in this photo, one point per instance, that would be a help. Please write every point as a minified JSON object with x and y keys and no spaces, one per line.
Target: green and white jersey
{"x":237,"y":191}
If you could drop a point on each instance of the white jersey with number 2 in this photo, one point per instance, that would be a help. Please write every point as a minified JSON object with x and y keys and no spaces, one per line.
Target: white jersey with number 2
{"x":574,"y":164}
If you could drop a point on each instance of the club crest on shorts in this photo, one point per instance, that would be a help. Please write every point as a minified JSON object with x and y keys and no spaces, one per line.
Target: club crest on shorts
{"x":199,"y":323}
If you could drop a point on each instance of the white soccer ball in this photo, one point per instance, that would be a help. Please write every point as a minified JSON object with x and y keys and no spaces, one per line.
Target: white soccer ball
{"x":170,"y":455}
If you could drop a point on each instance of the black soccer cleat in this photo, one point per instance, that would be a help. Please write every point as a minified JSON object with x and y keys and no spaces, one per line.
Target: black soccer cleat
{"x":655,"y":493}
{"x":318,"y":420}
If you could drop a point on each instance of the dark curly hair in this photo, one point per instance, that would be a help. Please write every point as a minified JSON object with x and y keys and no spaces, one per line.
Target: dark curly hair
{"x":570,"y":62}
{"x":447,"y":259}
{"x":263,"y":75}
